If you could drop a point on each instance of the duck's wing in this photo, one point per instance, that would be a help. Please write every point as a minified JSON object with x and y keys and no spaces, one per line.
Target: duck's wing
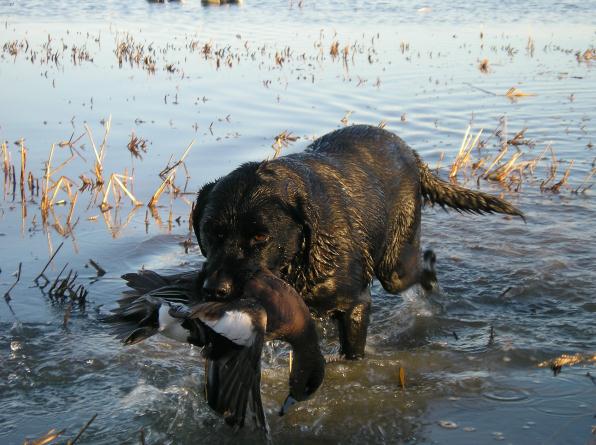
{"x":145,"y":281}
{"x":232,"y":381}
{"x":140,"y":316}
{"x":233,"y":359}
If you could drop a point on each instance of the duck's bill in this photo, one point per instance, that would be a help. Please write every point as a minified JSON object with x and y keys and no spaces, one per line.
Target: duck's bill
{"x":290,"y":401}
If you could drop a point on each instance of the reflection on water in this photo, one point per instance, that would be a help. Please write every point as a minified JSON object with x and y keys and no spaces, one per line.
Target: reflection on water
{"x":126,"y":87}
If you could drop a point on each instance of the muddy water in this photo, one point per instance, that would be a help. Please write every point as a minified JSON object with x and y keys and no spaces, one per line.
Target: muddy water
{"x":231,"y":78}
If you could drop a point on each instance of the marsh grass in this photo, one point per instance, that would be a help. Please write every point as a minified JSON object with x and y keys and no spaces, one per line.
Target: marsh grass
{"x":510,"y":166}
{"x":168,"y":175}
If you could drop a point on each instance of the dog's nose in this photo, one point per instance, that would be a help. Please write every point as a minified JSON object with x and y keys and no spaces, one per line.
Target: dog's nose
{"x":218,"y":286}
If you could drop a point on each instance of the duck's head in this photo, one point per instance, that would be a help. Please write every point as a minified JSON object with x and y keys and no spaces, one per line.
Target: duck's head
{"x":289,"y":319}
{"x":306,"y":376}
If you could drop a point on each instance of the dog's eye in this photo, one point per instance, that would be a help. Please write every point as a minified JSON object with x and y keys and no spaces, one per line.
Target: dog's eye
{"x":260,"y":237}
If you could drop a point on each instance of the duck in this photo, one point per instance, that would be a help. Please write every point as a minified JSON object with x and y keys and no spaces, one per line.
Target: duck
{"x":231,"y":333}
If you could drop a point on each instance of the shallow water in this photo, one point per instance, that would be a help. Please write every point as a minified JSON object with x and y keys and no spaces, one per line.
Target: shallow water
{"x":414,"y":66}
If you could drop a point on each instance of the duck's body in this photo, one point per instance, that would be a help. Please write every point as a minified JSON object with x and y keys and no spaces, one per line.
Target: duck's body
{"x":232,"y":334}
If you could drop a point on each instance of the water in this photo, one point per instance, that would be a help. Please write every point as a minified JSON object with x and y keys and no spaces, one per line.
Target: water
{"x":412,"y":65}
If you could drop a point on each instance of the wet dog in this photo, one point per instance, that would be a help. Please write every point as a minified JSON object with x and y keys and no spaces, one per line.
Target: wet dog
{"x":327,"y":221}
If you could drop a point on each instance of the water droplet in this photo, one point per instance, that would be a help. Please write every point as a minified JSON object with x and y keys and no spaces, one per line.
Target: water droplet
{"x":16,"y":346}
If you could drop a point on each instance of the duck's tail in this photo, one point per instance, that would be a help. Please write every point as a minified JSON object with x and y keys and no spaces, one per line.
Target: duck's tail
{"x":437,"y":191}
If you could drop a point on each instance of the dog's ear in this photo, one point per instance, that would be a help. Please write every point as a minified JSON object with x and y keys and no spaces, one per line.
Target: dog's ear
{"x":199,"y":208}
{"x":320,"y":250}
{"x":307,"y":206}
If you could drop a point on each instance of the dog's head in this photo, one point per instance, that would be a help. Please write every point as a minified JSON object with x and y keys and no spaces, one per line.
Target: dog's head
{"x":253,"y":219}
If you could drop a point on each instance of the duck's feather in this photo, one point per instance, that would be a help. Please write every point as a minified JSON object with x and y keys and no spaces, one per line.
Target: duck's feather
{"x":145,"y":281}
{"x":233,"y":378}
{"x":236,"y":326}
{"x":171,"y":326}
{"x":233,"y":365}
{"x":138,"y":335}
{"x":238,"y":321}
{"x":150,"y":310}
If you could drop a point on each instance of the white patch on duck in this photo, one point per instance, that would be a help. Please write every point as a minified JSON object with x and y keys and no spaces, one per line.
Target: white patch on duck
{"x":171,"y":327}
{"x":236,"y":326}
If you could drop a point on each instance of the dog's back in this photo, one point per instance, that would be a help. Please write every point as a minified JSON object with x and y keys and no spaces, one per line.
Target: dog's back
{"x":385,"y":181}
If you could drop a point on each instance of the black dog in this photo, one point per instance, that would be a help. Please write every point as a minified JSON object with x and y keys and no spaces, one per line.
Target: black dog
{"x":327,"y":221}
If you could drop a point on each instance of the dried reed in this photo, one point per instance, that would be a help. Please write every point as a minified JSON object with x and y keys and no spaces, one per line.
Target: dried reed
{"x":6,"y":160}
{"x":168,"y":174}
{"x":117,"y":180}
{"x":99,"y":154}
{"x":283,"y":139}
{"x":514,"y":93}
{"x":463,"y":155}
{"x":47,"y":438}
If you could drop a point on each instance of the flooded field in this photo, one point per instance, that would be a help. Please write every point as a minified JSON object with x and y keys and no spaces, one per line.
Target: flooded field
{"x":108,"y":107}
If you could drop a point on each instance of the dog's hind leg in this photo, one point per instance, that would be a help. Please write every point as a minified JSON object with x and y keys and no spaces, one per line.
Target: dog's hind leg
{"x":399,"y":267}
{"x":428,"y":277}
{"x":352,"y":325}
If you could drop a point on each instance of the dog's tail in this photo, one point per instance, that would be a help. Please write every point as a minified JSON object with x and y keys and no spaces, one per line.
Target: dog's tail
{"x":460,"y":198}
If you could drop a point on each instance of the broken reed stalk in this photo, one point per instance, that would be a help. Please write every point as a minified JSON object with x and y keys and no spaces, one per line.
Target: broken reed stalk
{"x":73,"y":202}
{"x":556,"y":364}
{"x":165,"y":172}
{"x":554,"y":166}
{"x":41,"y":274}
{"x":31,"y":183}
{"x":159,"y":191}
{"x":282,"y":140}
{"x":555,"y":188}
{"x":463,"y":155}
{"x":45,"y":203}
{"x":6,"y":159}
{"x":495,"y":161}
{"x":584,"y":182}
{"x":169,"y":179}
{"x":63,"y":184}
{"x":99,"y":154}
{"x":125,"y":190}
{"x":48,"y":437}
{"x":7,"y":296}
{"x":504,"y":170}
{"x":23,"y":168}
{"x":78,"y":436}
{"x":116,"y":180}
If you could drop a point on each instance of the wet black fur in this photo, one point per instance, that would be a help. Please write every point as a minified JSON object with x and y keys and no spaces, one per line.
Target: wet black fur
{"x":327,"y":220}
